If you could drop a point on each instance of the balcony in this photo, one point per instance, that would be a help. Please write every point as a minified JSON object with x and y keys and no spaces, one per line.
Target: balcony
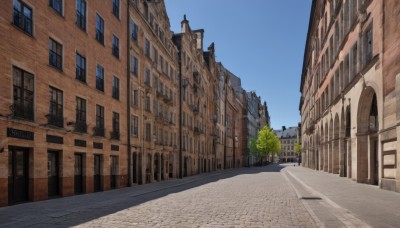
{"x":55,"y":120}
{"x":24,"y":111}
{"x":115,"y":135}
{"x":195,"y":109}
{"x":80,"y":126}
{"x":99,"y":131}
{"x":196,"y":77}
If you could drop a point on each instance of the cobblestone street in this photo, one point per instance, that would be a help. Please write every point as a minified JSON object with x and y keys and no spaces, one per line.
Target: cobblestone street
{"x":272,"y":196}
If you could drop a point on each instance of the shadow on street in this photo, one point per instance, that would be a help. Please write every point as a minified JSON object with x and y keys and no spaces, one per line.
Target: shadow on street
{"x":75,"y":210}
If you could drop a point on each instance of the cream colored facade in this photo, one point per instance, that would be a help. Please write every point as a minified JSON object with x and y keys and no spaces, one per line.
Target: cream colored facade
{"x":349,"y":89}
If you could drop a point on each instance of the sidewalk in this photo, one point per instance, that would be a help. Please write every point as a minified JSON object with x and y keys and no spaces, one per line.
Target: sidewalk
{"x":374,"y":206}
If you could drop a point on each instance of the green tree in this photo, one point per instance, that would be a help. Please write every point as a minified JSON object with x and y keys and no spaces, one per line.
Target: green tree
{"x":267,"y":143}
{"x":253,"y":147}
{"x":297,"y":148}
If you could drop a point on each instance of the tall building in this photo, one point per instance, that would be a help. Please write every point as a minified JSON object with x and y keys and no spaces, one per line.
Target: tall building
{"x":232,"y":101}
{"x":288,"y":138}
{"x":196,"y":76}
{"x":99,"y":95}
{"x":349,"y":85}
{"x":154,"y":83}
{"x":63,"y":103}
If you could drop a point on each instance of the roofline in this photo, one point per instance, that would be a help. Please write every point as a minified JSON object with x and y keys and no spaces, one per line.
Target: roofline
{"x":310,"y":23}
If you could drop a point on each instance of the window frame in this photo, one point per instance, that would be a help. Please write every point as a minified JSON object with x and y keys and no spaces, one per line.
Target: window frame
{"x":56,"y":119}
{"x":81,"y":17}
{"x":80,"y":70}
{"x":61,"y":5}
{"x":54,"y":53}
{"x":115,"y":46}
{"x":99,"y":30}
{"x":21,"y":24}
{"x":99,"y":128}
{"x":80,"y":117}
{"x":22,"y":101}
{"x":116,"y":8}
{"x":115,"y":134}
{"x":100,"y":84}
{"x":115,"y":87}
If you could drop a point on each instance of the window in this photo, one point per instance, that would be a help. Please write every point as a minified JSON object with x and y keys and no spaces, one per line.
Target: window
{"x":22,"y":16}
{"x":148,"y":132}
{"x":55,"y":54}
{"x":135,"y":126}
{"x":80,"y":68}
{"x":368,"y":45}
{"x":147,"y":78}
{"x":23,"y":93}
{"x":56,"y":117}
{"x":147,"y":104}
{"x":115,"y":46}
{"x":115,"y":88}
{"x":100,"y":78}
{"x":57,"y":5}
{"x":134,"y":31}
{"x":81,"y":14}
{"x":135,"y":98}
{"x":134,"y":67}
{"x":115,"y":8}
{"x":354,"y":60}
{"x":80,"y":123}
{"x":115,"y":126}
{"x":147,"y":47}
{"x":99,"y":29}
{"x":155,"y":59}
{"x":99,"y":129}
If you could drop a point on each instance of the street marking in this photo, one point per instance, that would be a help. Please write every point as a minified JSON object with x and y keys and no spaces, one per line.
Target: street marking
{"x":341,"y":213}
{"x":308,"y":208}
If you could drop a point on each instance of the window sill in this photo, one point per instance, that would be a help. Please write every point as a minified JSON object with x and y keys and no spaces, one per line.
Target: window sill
{"x":20,"y":29}
{"x":56,"y":68}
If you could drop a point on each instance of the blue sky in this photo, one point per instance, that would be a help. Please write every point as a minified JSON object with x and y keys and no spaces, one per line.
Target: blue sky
{"x":261,"y":41}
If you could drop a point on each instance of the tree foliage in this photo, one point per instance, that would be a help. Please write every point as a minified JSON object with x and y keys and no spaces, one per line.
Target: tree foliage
{"x":253,"y":147}
{"x":297,"y":148}
{"x":267,"y":142}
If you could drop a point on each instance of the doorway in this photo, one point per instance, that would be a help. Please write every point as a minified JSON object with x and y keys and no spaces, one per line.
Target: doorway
{"x":78,"y":178}
{"x":97,"y":173}
{"x":53,"y":170}
{"x":374,"y":162}
{"x":134,"y":168}
{"x":113,"y":171}
{"x":18,"y":175}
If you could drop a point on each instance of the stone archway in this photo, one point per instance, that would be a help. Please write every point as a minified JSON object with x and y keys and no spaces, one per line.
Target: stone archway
{"x":335,"y":146}
{"x":367,"y":138}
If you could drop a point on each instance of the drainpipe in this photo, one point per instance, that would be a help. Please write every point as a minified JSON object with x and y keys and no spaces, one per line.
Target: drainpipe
{"x":225,"y":122}
{"x":128,"y":85}
{"x":180,"y":113}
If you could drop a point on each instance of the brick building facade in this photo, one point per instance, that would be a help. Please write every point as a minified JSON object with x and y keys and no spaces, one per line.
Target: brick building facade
{"x":102,"y":94}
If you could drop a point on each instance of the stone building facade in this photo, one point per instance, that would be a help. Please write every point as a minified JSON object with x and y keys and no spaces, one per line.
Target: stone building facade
{"x":288,"y":138}
{"x":349,"y":106}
